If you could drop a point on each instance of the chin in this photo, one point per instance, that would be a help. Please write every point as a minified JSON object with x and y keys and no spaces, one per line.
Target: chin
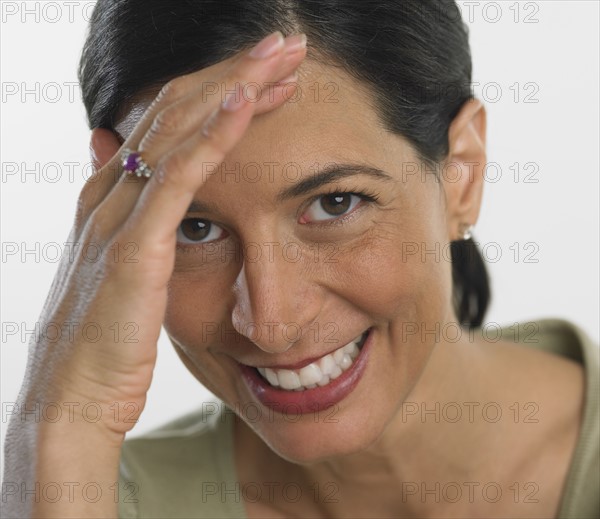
{"x":341,"y":418}
{"x":323,"y":436}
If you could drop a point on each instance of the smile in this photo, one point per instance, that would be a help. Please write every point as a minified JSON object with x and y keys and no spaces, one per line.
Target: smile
{"x":318,"y":385}
{"x":318,"y":373}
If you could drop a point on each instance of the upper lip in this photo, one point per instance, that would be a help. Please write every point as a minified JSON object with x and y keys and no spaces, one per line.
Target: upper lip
{"x":301,"y":363}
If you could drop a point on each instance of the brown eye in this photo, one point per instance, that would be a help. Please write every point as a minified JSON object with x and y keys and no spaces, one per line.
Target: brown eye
{"x":328,"y":207}
{"x":336,"y":204}
{"x":197,"y":230}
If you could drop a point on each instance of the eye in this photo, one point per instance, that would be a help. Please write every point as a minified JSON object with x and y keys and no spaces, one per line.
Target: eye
{"x":197,"y":230}
{"x":331,"y":206}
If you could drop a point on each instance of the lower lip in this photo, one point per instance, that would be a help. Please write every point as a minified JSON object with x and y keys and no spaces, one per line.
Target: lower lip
{"x":308,"y":400}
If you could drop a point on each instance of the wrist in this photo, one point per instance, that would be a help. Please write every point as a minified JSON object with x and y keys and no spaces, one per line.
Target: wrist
{"x":62,"y":469}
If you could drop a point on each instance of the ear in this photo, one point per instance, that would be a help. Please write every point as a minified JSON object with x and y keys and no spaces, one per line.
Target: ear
{"x":104,"y":145}
{"x":463,"y":173}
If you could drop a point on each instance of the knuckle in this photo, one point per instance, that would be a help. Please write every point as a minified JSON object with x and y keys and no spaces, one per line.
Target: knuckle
{"x":171,"y":169}
{"x":167,"y":121}
{"x":209,"y":124}
{"x":213,"y":135}
{"x":95,"y":228}
{"x":93,"y":192}
{"x":172,"y":90}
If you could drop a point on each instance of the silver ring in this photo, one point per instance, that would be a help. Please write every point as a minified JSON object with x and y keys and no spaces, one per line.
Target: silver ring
{"x":134,"y":164}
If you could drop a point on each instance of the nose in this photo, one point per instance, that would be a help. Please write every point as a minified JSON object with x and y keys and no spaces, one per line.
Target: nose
{"x":276,"y":303}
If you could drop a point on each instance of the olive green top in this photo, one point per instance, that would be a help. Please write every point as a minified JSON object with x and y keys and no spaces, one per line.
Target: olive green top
{"x":186,"y":468}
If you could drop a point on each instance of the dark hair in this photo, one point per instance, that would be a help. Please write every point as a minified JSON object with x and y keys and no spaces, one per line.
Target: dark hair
{"x":413,"y":54}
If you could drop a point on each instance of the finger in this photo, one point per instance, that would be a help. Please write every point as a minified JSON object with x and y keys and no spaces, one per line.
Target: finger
{"x":193,"y":83}
{"x":108,"y":169}
{"x":268,"y":95}
{"x":256,"y":74}
{"x":179,"y":121}
{"x":103,"y":147}
{"x":165,"y":200}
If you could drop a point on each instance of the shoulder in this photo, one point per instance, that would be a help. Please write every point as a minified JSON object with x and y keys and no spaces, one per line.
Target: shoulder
{"x":199,"y":433}
{"x":176,"y":470}
{"x":549,"y":361}
{"x":548,"y":350}
{"x":555,"y":364}
{"x":552,"y":357}
{"x":580,"y":494}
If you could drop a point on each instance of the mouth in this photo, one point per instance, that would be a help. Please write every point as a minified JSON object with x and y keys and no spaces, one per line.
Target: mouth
{"x":311,"y":387}
{"x":320,"y":372}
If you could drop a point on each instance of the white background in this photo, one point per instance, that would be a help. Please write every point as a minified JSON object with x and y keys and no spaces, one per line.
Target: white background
{"x":553,"y":58}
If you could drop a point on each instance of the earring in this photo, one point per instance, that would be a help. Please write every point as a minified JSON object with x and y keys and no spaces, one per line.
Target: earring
{"x":466,"y":231}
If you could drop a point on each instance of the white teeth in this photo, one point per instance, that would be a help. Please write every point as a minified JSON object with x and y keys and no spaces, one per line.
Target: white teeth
{"x":319,"y":373}
{"x":288,"y":379}
{"x":271,"y":376}
{"x":310,"y":374}
{"x":352,"y":350}
{"x":338,"y":355}
{"x":327,"y":364}
{"x":346,"y":362}
{"x":337,"y":371}
{"x":324,"y":381}
{"x":349,"y":347}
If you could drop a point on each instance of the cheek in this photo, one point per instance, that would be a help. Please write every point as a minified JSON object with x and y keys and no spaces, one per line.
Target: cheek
{"x":399,"y":275}
{"x":195,"y":319}
{"x":395,"y":272}
{"x":197,"y":310}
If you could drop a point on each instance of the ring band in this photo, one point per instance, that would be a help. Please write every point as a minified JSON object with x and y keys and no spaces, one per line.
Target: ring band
{"x":134,"y":164}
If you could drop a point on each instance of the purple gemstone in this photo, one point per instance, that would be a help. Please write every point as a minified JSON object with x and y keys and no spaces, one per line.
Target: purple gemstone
{"x":131,"y":162}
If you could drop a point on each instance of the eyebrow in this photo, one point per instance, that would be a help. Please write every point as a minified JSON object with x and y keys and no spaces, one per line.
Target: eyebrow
{"x":196,"y":206}
{"x":329,"y":174}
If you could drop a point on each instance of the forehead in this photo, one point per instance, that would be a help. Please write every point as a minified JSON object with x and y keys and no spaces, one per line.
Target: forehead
{"x":331,"y":117}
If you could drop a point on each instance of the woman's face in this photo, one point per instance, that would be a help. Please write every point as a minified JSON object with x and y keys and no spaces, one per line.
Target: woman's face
{"x":274,"y":271}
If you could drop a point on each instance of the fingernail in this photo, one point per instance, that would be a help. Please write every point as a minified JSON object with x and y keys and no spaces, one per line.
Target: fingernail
{"x":267,"y":46}
{"x":233,"y":100}
{"x":295,"y":43}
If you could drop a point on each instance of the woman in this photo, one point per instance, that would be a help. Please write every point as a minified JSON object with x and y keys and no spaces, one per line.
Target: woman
{"x":280,"y":206}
